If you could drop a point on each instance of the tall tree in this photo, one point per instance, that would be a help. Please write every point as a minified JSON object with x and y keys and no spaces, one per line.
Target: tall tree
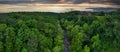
{"x":86,"y":49}
{"x":96,"y":43}
{"x":10,"y":39}
{"x":76,"y":45}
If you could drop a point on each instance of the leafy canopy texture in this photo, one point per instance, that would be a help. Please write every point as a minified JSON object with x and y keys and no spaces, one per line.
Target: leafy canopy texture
{"x":55,"y":32}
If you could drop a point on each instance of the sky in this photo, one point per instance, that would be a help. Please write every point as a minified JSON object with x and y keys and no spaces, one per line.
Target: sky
{"x":41,"y":1}
{"x":57,"y":5}
{"x":56,"y":1}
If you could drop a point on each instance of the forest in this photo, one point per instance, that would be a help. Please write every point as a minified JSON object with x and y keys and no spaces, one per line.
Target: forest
{"x":60,"y":32}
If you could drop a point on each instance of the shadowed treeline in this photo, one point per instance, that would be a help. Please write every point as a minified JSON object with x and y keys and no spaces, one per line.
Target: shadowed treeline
{"x":116,"y":1}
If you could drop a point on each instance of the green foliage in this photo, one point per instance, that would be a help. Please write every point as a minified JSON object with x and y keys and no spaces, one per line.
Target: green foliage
{"x":77,"y":41}
{"x":86,"y":49}
{"x":10,"y":39}
{"x":3,"y":27}
{"x":74,"y":31}
{"x":53,"y":32}
{"x":1,"y":47}
{"x":96,"y":43}
{"x":32,"y":23}
{"x":24,"y":50}
{"x":57,"y":49}
{"x":32,"y":42}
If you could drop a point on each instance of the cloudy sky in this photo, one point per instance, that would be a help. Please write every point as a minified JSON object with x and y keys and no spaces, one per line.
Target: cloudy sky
{"x":56,"y":5}
{"x":56,"y":1}
{"x":41,"y":1}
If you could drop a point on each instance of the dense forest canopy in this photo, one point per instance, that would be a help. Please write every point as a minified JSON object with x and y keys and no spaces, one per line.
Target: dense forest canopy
{"x":54,"y":32}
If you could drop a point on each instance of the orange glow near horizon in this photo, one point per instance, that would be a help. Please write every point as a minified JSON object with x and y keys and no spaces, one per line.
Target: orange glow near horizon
{"x":62,"y":1}
{"x":53,"y":7}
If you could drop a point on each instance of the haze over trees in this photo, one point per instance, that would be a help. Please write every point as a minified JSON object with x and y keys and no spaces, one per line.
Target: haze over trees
{"x":45,"y":32}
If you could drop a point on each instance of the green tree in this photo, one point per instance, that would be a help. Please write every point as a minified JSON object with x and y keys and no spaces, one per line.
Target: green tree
{"x":24,"y":49}
{"x":18,"y":45}
{"x":96,"y":43}
{"x":57,"y":49}
{"x":3,"y":27}
{"x":1,"y":47}
{"x":10,"y":39}
{"x":32,"y":23}
{"x":86,"y":49}
{"x":47,"y":50}
{"x":22,"y":37}
{"x":32,"y":41}
{"x":77,"y":41}
{"x":21,"y":24}
{"x":74,"y":31}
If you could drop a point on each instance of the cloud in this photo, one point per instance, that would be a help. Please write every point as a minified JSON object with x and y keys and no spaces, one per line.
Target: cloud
{"x":61,"y":0}
{"x":27,"y":1}
{"x":55,"y":1}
